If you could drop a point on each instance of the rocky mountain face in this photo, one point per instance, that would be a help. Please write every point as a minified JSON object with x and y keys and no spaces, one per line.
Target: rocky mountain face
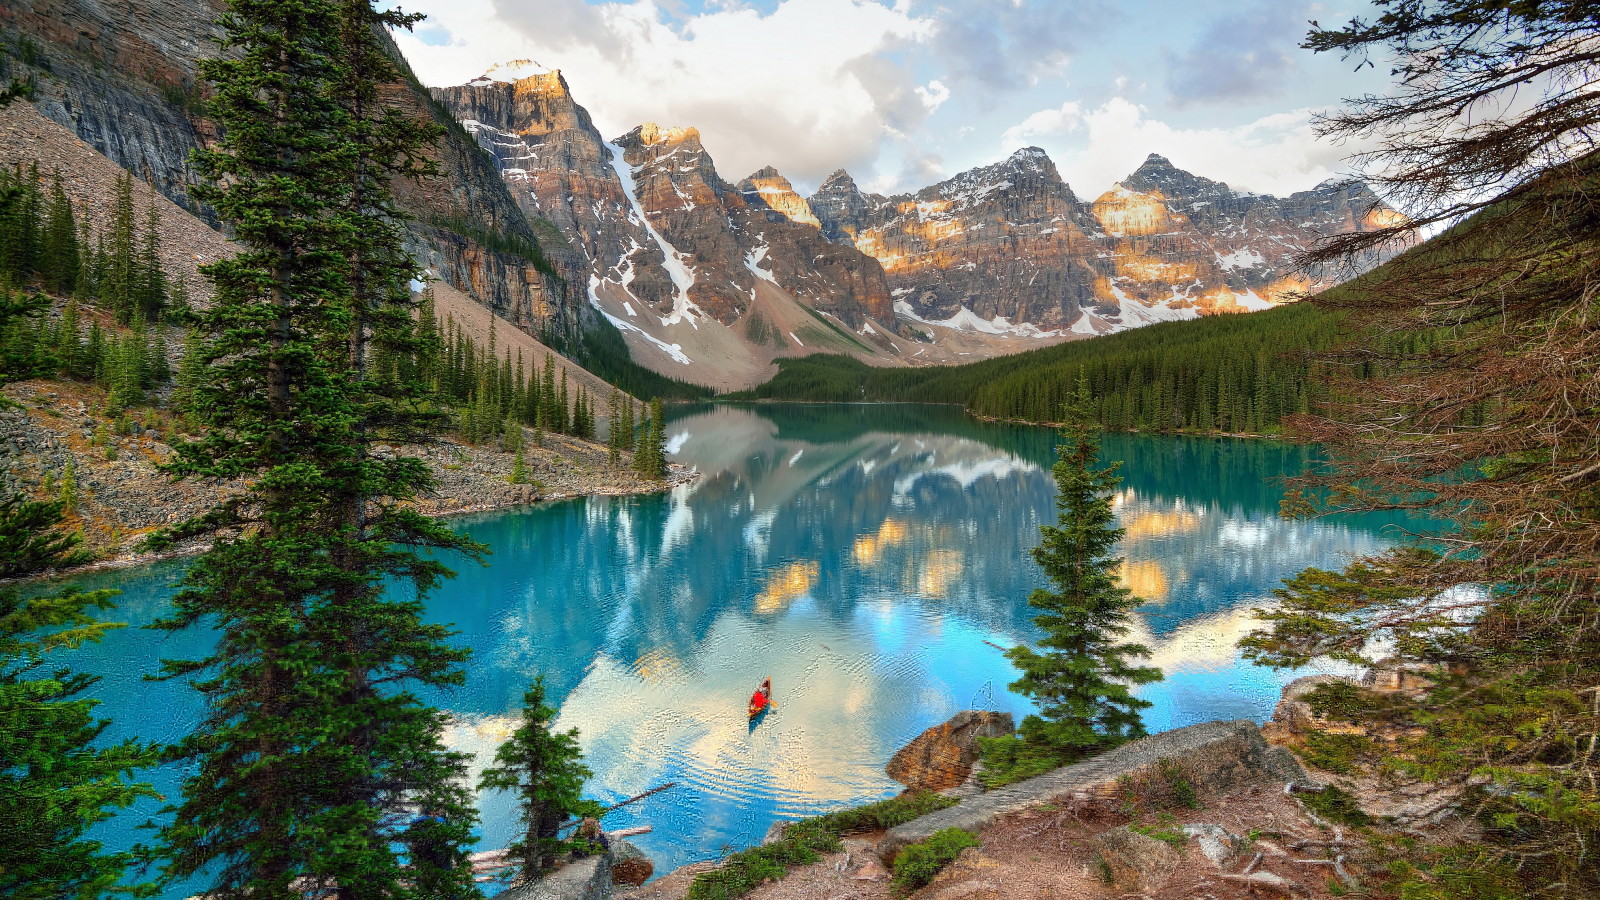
{"x":123,"y":77}
{"x":1003,"y":248}
{"x":675,"y":256}
{"x":1009,"y":249}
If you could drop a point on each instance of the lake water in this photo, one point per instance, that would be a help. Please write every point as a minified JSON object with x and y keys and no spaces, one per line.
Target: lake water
{"x":860,"y":555}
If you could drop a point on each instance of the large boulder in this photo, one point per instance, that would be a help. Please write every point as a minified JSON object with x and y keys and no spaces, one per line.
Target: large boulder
{"x":942,"y":757}
{"x":632,"y":868}
{"x":1137,"y":862}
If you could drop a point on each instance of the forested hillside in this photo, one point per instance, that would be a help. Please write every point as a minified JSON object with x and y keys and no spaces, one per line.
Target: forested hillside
{"x":1222,"y":373}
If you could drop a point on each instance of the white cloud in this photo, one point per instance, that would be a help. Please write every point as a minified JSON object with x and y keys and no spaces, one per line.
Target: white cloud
{"x":1276,"y":154}
{"x":805,"y":87}
{"x":934,"y":94}
{"x":1044,"y":123}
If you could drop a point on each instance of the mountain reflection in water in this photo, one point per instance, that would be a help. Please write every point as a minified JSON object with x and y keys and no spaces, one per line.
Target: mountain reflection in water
{"x":859,"y":555}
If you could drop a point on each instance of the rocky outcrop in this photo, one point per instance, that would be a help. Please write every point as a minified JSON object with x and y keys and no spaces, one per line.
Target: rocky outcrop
{"x":942,"y":757}
{"x":1006,"y":247}
{"x":629,"y":865}
{"x":662,"y":242}
{"x":769,"y":188}
{"x":561,"y":172}
{"x":1214,"y":758}
{"x":842,"y":210}
{"x":122,"y":76}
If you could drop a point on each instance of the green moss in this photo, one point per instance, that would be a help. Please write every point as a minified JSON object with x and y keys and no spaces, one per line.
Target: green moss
{"x":805,"y":841}
{"x":1335,"y":805}
{"x":1345,"y":702}
{"x":1166,"y":835}
{"x":918,"y":863}
{"x":1337,"y":753}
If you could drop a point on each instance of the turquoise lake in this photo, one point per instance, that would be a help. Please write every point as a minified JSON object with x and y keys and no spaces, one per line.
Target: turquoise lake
{"x":860,"y":555}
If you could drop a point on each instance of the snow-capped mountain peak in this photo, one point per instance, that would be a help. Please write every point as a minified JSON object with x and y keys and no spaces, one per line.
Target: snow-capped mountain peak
{"x":510,"y":72}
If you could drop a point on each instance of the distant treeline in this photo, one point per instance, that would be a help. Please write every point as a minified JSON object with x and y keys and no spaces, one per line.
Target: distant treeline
{"x":1238,"y":374}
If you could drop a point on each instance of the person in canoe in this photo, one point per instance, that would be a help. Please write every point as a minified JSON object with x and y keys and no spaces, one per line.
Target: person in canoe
{"x":762,"y":698}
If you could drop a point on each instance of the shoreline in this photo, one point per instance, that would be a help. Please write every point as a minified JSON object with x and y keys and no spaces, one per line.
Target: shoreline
{"x":1002,"y":420}
{"x":677,"y":474}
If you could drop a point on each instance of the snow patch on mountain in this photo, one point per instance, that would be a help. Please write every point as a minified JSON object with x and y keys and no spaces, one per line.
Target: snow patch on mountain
{"x":673,"y":350}
{"x":510,"y":72}
{"x":1240,"y":259}
{"x":752,"y":260}
{"x":1085,"y":324}
{"x":683,"y":309}
{"x":967,"y":320}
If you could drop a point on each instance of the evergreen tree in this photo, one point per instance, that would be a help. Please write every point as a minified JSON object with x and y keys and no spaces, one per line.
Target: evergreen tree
{"x":614,"y":424}
{"x":550,"y":409}
{"x":191,"y":370}
{"x":55,"y":783}
{"x":67,"y":343}
{"x":149,"y":281}
{"x":119,"y":277}
{"x":561,"y":422}
{"x":60,"y":261}
{"x":1080,"y":677}
{"x":650,"y":458}
{"x":87,"y":272}
{"x":545,"y":768}
{"x":625,"y":440}
{"x":1464,"y":391}
{"x":313,"y":745}
{"x":519,"y":465}
{"x":20,"y":239}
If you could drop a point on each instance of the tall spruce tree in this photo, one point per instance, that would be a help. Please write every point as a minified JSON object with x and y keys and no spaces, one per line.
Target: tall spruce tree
{"x":149,"y":281}
{"x":1081,"y":675}
{"x":60,"y":260}
{"x":312,"y":747}
{"x":614,"y":428}
{"x":119,"y":277}
{"x":56,"y":780}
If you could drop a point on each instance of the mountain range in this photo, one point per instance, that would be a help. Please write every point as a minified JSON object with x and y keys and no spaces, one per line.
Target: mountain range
{"x":716,"y":279}
{"x":567,"y":235}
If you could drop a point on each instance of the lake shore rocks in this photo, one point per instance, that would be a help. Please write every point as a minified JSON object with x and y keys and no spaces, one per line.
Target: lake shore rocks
{"x":56,"y":442}
{"x":1212,"y":758}
{"x":943,"y":756}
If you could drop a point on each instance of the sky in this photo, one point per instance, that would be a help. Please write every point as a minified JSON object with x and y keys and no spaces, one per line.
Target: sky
{"x":905,"y":93}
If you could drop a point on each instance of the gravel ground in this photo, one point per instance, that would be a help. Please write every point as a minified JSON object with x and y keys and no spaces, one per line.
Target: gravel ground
{"x":122,"y":496}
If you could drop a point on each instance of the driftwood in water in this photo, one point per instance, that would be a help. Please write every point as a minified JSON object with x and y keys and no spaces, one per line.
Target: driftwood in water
{"x":634,"y":799}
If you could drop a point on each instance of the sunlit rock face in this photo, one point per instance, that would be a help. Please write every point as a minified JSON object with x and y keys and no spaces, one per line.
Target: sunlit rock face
{"x":1005,"y":242}
{"x":560,"y":171}
{"x":774,"y":190}
{"x":733,"y":237}
{"x":657,"y":224}
{"x":1009,"y":248}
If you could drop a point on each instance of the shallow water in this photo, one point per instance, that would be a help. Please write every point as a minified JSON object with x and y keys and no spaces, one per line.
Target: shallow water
{"x":859,"y":555}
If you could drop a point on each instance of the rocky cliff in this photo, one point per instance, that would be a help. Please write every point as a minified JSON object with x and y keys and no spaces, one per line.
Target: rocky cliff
{"x":1009,"y":249}
{"x":123,"y":77}
{"x":696,"y":272}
